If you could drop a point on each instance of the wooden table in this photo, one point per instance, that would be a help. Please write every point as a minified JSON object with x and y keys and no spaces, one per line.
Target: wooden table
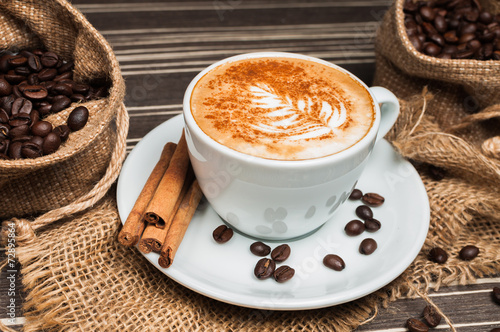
{"x":162,"y":45}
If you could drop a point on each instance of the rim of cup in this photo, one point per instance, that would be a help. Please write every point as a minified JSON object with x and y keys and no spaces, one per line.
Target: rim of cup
{"x":190,"y":122}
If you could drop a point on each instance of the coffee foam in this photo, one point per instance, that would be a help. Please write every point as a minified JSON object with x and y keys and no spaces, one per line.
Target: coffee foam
{"x":282,"y":108}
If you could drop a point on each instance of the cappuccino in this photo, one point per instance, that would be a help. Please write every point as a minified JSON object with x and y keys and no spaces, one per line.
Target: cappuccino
{"x":282,"y":108}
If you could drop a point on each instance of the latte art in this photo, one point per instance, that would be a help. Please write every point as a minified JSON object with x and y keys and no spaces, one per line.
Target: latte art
{"x":295,"y":120}
{"x":282,"y":108}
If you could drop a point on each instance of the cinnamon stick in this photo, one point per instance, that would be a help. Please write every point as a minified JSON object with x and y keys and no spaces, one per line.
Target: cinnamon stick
{"x":134,"y":225}
{"x":180,"y":224}
{"x":162,"y":205}
{"x":153,"y":236}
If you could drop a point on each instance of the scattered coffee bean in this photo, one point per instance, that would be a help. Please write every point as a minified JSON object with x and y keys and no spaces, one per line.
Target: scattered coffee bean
{"x":222,"y":234}
{"x":437,"y":255}
{"x":468,"y":253}
{"x":373,"y":199}
{"x":354,"y":227}
{"x":283,"y":273}
{"x":334,"y":262}
{"x":260,"y":249}
{"x":431,"y":316}
{"x":355,"y":195}
{"x":372,"y":225}
{"x":264,"y":268}
{"x":496,"y":294}
{"x":281,"y":253}
{"x":414,"y":325}
{"x":364,"y":212}
{"x":367,"y":246}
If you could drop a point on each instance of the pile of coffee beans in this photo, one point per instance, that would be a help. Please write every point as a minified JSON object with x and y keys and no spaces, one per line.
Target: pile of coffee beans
{"x":453,"y":29}
{"x":34,"y":84}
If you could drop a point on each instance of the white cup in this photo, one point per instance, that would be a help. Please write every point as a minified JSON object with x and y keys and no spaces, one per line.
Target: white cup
{"x":279,"y":199}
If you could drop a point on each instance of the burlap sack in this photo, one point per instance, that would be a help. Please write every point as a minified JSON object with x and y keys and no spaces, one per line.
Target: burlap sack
{"x":33,"y":186}
{"x":436,"y":128}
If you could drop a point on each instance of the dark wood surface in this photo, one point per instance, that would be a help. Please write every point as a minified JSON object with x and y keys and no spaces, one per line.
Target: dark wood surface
{"x":162,"y":45}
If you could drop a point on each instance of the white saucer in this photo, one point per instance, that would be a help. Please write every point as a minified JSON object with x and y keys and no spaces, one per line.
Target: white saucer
{"x":225,"y":271}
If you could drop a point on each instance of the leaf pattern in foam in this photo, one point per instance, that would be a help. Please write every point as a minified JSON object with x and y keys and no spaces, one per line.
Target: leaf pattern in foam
{"x":295,"y":119}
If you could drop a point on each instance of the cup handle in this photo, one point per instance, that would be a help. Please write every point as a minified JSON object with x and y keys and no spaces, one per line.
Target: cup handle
{"x":389,"y":109}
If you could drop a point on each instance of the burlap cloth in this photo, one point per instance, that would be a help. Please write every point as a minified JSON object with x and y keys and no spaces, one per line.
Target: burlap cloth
{"x":77,"y":277}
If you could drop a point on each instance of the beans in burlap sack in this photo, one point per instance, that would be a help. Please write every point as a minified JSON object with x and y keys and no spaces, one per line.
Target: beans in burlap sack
{"x":436,"y":129}
{"x":32,"y":186}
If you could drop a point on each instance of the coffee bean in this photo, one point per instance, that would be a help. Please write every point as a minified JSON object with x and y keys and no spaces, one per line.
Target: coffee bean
{"x":63,"y":89}
{"x":63,"y":132}
{"x":15,"y":150}
{"x":451,"y":37}
{"x":427,"y":13}
{"x":496,"y":329}
{"x":34,"y":63}
{"x":431,"y":316}
{"x":222,"y":234}
{"x":432,"y":49}
{"x":283,"y":273}
{"x":264,"y":268}
{"x":354,"y":227}
{"x":60,"y":103}
{"x":364,"y":212}
{"x":31,"y":150}
{"x":78,"y":118}
{"x":334,"y":262}
{"x":37,"y":140}
{"x":19,"y":131}
{"x":415,"y":41}
{"x":367,"y":246}
{"x":437,"y":255}
{"x":34,"y":92}
{"x":281,"y":253}
{"x":440,"y":24}
{"x":51,"y":143}
{"x":372,"y":225}
{"x":468,"y":253}
{"x":68,"y":66}
{"x":41,"y":128}
{"x":5,"y":87}
{"x":414,"y":325}
{"x":260,"y":249}
{"x":496,"y":294}
{"x":49,"y":59}
{"x":47,"y":74}
{"x":373,"y":199}
{"x":355,"y":195}
{"x":17,"y":60}
{"x":21,"y":105}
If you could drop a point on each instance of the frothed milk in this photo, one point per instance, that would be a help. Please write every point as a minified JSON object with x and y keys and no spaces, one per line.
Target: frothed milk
{"x":282,"y":108}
